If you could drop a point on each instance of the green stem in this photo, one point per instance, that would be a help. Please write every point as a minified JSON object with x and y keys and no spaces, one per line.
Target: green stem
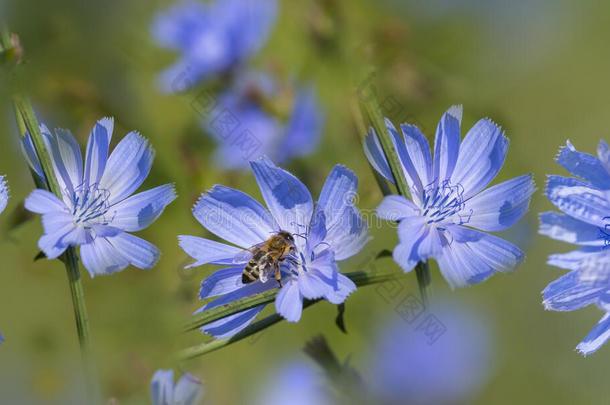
{"x":371,"y":107}
{"x":359,"y":278}
{"x":26,"y":119}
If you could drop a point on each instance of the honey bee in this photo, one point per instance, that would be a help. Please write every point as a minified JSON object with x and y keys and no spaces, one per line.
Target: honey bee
{"x":267,"y":257}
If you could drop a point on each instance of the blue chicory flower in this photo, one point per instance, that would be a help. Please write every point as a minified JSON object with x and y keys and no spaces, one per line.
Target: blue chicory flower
{"x":97,"y":210}
{"x":211,"y":38}
{"x":4,"y":193}
{"x":245,"y":130}
{"x":445,"y":357}
{"x":187,"y":391}
{"x":328,"y":232}
{"x":585,"y":222}
{"x":450,"y":212}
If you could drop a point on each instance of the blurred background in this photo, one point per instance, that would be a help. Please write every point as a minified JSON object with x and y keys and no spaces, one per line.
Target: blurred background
{"x":537,"y":68}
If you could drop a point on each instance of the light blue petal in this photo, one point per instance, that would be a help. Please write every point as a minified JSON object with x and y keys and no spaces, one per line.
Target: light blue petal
{"x":67,"y":159}
{"x":57,"y":226}
{"x":317,"y":231}
{"x":137,"y":251}
{"x":289,"y":301}
{"x":43,"y":201}
{"x":573,"y":291}
{"x":311,"y":286}
{"x":481,"y":157}
{"x":472,"y":256}
{"x":339,"y":193}
{"x":221,"y":282}
{"x":347,"y":233}
{"x":253,"y":24}
{"x":584,"y":165}
{"x":418,"y":149}
{"x":181,"y":76}
{"x":345,"y":287}
{"x":234,"y":216}
{"x":288,"y":199}
{"x":97,"y":150}
{"x":302,"y":133}
{"x":500,"y":206}
{"x":411,"y":232}
{"x":27,"y":147}
{"x":246,"y":291}
{"x":603,"y":153}
{"x":410,"y":172}
{"x":374,"y":154}
{"x":188,"y":390}
{"x":447,"y":143}
{"x":173,"y":28}
{"x":396,"y":207}
{"x":127,"y":167}
{"x":206,"y":251}
{"x":4,"y":193}
{"x":140,"y":210}
{"x":578,"y":200}
{"x":325,"y":268}
{"x":227,"y":327}
{"x":101,"y":257}
{"x":584,"y":258}
{"x":567,"y":229}
{"x":597,"y":337}
{"x":162,"y":387}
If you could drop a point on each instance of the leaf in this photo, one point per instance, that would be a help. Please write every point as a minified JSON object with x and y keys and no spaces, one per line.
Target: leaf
{"x":340,"y":320}
{"x":40,"y":256}
{"x":384,"y":253}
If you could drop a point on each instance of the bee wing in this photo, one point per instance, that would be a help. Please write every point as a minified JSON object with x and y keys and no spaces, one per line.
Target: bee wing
{"x":245,"y":255}
{"x":242,"y":257}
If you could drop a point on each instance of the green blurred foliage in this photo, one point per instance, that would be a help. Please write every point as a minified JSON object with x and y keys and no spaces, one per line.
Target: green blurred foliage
{"x":539,"y":69}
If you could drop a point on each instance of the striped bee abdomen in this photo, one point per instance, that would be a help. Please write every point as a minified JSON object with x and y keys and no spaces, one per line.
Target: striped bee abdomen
{"x":252,"y":270}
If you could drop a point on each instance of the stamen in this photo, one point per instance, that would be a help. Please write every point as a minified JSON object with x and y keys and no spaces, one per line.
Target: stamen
{"x":604,"y":233}
{"x":443,"y":201}
{"x":90,"y":205}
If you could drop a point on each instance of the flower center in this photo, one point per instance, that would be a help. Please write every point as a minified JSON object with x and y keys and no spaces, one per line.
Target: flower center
{"x":604,"y":233}
{"x":90,"y":205}
{"x":444,"y":201}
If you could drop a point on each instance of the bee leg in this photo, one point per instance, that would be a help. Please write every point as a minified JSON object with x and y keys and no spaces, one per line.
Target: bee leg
{"x":278,"y":275}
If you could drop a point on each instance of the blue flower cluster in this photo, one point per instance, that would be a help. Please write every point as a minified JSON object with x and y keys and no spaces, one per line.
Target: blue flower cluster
{"x":215,"y":40}
{"x":245,"y":129}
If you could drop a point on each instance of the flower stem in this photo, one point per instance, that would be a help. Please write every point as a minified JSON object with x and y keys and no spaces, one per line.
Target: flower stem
{"x":26,"y":119}
{"x":359,"y":278}
{"x":370,"y":105}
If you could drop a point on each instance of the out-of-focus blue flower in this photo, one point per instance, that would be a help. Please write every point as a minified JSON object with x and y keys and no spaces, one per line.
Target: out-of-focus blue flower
{"x":97,"y":210}
{"x":245,"y":130}
{"x":329,"y":232}
{"x":211,"y":37}
{"x":296,"y":383}
{"x":585,"y":221}
{"x":187,"y":391}
{"x":4,"y":193}
{"x":450,"y":211}
{"x":407,"y":367}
